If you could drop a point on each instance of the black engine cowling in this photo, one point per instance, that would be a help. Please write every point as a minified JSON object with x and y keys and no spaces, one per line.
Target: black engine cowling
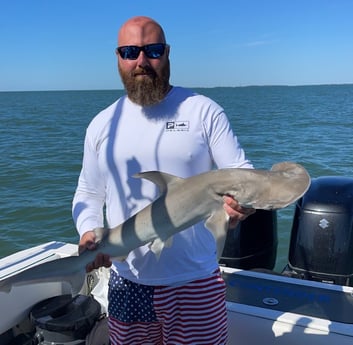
{"x":253,"y":243}
{"x":321,"y":245}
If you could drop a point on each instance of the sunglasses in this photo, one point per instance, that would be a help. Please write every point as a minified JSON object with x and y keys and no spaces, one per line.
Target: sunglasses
{"x":152,"y":51}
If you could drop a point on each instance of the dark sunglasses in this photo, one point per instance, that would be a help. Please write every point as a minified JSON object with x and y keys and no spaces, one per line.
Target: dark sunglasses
{"x":152,"y":51}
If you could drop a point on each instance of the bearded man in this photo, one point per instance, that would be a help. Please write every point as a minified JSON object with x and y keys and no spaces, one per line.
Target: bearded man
{"x":178,"y":297}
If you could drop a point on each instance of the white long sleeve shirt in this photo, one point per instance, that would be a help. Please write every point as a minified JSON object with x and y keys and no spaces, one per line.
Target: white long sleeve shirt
{"x":186,"y":134}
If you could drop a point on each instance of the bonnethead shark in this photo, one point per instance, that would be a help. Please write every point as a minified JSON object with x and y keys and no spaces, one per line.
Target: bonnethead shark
{"x":182,"y":203}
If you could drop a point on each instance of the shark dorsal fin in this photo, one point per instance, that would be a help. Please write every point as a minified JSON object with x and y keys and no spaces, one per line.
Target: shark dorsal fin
{"x":162,"y":180}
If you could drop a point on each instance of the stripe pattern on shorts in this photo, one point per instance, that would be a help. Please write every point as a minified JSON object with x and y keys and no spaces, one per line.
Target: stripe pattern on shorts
{"x":194,"y":313}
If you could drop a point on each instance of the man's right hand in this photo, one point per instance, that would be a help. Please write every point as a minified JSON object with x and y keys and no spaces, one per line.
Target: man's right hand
{"x":88,"y":242}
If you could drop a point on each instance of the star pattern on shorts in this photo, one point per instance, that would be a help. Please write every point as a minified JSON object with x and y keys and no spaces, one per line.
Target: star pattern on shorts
{"x":130,"y":302}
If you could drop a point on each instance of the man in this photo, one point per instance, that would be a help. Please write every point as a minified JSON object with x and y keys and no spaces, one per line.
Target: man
{"x":178,"y":297}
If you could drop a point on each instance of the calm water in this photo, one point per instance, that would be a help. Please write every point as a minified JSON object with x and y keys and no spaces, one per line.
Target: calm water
{"x":41,"y":141}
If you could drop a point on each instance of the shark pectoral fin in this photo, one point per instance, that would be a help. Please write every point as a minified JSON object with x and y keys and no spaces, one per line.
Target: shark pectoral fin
{"x":217,"y":223}
{"x":157,"y":245}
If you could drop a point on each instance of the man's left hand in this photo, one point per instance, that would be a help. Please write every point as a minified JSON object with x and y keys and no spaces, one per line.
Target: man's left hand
{"x":235,"y":211}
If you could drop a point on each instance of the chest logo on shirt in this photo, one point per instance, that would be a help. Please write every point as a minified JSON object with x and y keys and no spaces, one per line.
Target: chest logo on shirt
{"x":177,"y":126}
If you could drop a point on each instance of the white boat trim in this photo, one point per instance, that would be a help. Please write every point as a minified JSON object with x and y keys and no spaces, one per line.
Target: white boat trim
{"x":248,"y":324}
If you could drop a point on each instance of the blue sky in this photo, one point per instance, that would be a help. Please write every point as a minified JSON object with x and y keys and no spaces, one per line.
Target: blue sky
{"x":69,"y":44}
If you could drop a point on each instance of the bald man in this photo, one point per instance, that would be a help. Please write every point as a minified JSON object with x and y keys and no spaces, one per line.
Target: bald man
{"x":178,"y":297}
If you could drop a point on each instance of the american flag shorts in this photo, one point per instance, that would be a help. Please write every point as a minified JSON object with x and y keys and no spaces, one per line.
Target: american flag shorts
{"x":193,"y":314}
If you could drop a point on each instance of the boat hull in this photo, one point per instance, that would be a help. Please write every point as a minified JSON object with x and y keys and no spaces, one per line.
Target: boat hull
{"x":262,"y":307}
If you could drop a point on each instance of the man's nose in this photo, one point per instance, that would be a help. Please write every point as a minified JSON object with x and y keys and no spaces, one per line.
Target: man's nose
{"x":142,"y":59}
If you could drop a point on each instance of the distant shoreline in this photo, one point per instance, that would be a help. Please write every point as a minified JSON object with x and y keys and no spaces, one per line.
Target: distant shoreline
{"x":193,"y":87}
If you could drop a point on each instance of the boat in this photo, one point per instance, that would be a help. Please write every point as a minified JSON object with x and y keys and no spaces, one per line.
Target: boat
{"x":309,"y":302}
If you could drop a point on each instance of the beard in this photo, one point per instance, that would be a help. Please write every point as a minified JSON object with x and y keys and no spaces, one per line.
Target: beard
{"x":149,"y":90}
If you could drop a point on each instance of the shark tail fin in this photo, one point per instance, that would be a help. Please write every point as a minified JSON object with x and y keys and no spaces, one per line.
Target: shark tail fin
{"x":76,"y":281}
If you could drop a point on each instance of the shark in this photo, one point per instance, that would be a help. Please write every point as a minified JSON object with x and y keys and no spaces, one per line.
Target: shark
{"x":182,"y":203}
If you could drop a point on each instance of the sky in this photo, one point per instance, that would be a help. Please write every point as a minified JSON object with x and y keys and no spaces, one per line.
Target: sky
{"x":70,"y":44}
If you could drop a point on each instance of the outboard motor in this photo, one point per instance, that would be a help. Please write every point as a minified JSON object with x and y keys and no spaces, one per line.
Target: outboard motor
{"x":253,"y":243}
{"x":321,"y":245}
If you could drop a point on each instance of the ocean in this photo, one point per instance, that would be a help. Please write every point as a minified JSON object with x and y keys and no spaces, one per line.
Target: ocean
{"x":42,"y":133}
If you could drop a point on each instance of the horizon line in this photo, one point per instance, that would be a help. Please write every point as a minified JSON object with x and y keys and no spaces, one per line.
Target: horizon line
{"x":193,"y":87}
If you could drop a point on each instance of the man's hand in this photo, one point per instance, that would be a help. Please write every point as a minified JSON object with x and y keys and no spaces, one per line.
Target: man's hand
{"x":88,"y":242}
{"x":235,"y":211}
